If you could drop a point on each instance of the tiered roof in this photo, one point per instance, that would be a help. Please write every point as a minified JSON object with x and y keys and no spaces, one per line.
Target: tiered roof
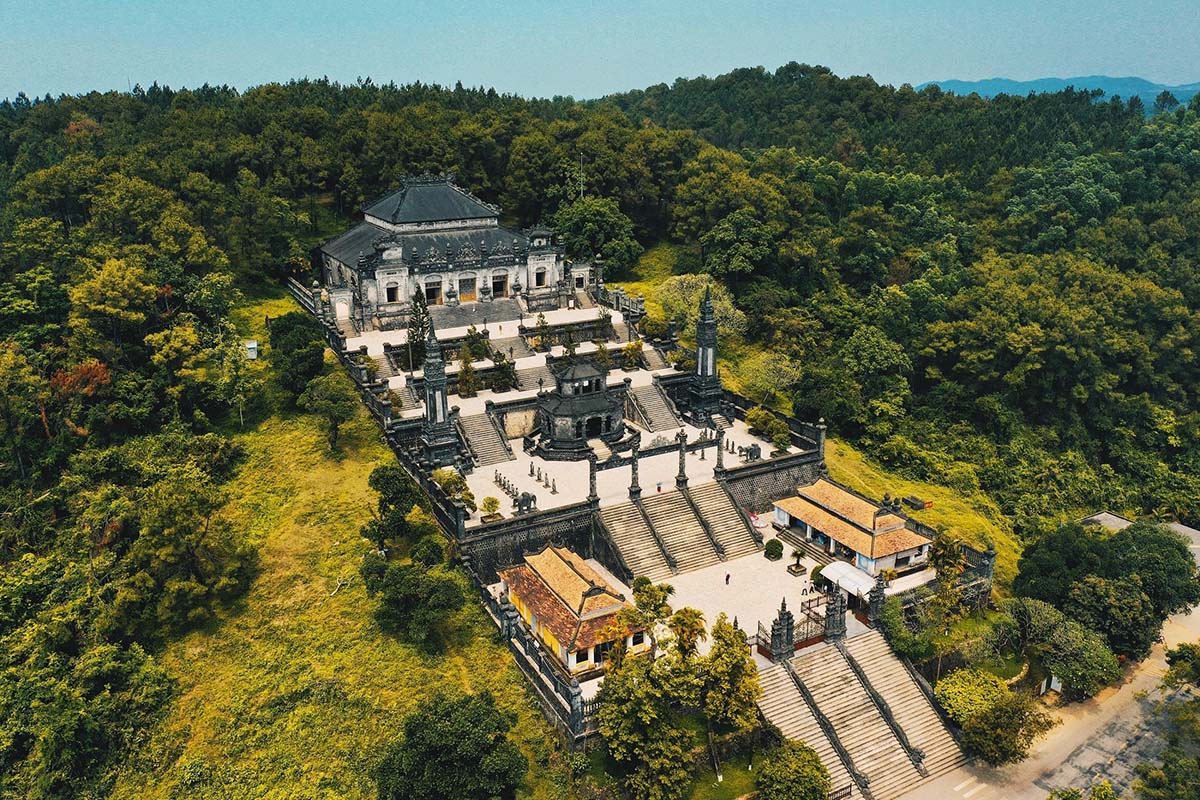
{"x":860,"y":524}
{"x":567,"y":595}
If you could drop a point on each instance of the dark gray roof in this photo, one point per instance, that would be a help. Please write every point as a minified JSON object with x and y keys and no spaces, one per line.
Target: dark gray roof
{"x":429,"y":200}
{"x":576,"y":370}
{"x":362,"y":237}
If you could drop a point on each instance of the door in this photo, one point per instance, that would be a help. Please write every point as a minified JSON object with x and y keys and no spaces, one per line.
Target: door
{"x":500,"y":285}
{"x":466,"y":290}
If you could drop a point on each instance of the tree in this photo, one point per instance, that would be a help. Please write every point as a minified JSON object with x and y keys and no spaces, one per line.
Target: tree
{"x":1164,"y":101}
{"x":687,"y":625}
{"x":641,"y":722}
{"x":331,"y":398}
{"x":1004,"y":733}
{"x":428,"y":552}
{"x":793,"y":771}
{"x":1098,"y":791}
{"x":1118,"y":610}
{"x":591,"y":226}
{"x":680,"y":296}
{"x":1050,"y":566}
{"x":468,"y":382}
{"x":967,"y":692}
{"x":1081,"y":659}
{"x":418,"y":329}
{"x":413,"y":601}
{"x":1161,"y":559}
{"x":489,"y":506}
{"x":455,"y":486}
{"x":740,"y":244}
{"x":452,"y":747}
{"x":731,"y":689}
{"x":297,"y":351}
{"x":768,"y":374}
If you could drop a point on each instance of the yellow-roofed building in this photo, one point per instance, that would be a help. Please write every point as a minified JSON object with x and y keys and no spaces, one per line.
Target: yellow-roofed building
{"x":873,"y":536}
{"x":570,"y":608}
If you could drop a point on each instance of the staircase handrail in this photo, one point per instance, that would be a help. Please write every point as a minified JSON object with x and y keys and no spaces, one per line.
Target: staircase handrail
{"x":915,"y":754}
{"x":466,"y":440}
{"x":746,"y":523}
{"x":503,"y":439}
{"x":662,"y":546}
{"x":639,"y":411}
{"x":863,"y":781}
{"x":694,"y":506}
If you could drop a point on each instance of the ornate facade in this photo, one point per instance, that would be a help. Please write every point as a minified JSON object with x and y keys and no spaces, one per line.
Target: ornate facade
{"x":432,"y":237}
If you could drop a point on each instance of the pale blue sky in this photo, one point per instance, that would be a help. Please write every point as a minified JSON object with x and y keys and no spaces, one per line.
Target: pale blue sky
{"x":584,"y":49}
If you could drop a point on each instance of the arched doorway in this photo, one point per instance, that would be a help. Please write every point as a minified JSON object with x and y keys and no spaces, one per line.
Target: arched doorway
{"x":594,"y":426}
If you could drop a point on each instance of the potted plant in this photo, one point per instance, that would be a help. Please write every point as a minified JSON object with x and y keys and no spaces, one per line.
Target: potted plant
{"x":797,"y":568}
{"x":490,"y":509}
{"x":773,"y":549}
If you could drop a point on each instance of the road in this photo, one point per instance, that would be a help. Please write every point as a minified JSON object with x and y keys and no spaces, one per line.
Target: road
{"x":1103,"y":738}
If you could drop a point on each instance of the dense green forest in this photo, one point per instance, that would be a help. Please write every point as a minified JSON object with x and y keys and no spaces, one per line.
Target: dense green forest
{"x":998,"y":295}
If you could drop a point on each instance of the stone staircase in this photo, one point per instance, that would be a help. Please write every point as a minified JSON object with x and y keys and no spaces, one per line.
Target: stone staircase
{"x":911,"y":708}
{"x":659,"y":416}
{"x":654,"y":359}
{"x":483,"y":440}
{"x":528,"y":378}
{"x":728,"y":526}
{"x":406,"y":398}
{"x":518,"y":346}
{"x":862,"y":730}
{"x":635,"y":541}
{"x":583,"y":300}
{"x":680,"y":531}
{"x":721,"y":422}
{"x":603,"y":451}
{"x":786,"y":709}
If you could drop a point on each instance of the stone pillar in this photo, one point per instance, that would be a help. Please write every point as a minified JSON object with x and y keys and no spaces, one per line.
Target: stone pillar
{"x":681,"y":480}
{"x":821,"y":438}
{"x":363,"y":359}
{"x":719,"y":470}
{"x":835,"y":616}
{"x":635,"y":490}
{"x":592,"y":477}
{"x":877,"y":598}
{"x":575,"y":701}
{"x":783,"y":634}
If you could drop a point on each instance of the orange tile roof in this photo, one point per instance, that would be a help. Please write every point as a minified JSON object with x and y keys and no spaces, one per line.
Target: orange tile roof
{"x":849,"y":519}
{"x":569,"y":597}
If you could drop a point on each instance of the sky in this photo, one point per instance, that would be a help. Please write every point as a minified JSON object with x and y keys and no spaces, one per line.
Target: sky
{"x":583,"y":49}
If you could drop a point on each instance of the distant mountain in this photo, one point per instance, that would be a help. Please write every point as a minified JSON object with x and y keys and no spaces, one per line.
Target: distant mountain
{"x":1123,"y":87}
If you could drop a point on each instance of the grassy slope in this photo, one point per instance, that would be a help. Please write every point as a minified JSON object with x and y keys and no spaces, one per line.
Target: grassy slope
{"x":294,"y":692}
{"x":975,"y":520}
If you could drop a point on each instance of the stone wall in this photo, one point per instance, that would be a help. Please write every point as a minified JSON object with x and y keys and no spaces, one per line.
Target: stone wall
{"x":757,"y":485}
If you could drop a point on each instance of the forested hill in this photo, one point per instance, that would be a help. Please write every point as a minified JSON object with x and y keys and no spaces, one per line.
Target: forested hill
{"x":998,"y":296}
{"x":816,"y":112}
{"x":1147,"y":92}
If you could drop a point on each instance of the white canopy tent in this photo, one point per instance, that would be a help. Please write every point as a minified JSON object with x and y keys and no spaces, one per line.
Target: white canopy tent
{"x":848,"y":577}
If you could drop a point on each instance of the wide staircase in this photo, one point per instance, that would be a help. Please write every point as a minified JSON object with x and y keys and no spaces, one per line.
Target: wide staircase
{"x":873,"y":747}
{"x":680,"y":531}
{"x":910,"y":706}
{"x":654,"y":359}
{"x":484,"y":440}
{"x":786,"y":709}
{"x":406,"y":398}
{"x":528,"y":378}
{"x":728,"y":526}
{"x":652,"y":401}
{"x":635,"y":542}
{"x":515,"y":344}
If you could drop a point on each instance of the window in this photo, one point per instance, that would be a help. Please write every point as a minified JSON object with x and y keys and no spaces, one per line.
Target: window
{"x":539,"y":277}
{"x":582,"y":656}
{"x":639,"y":638}
{"x":903,"y":561}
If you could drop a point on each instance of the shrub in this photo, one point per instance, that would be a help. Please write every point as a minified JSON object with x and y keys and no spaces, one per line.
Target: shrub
{"x":968,"y":692}
{"x":792,"y":772}
{"x":1004,"y":733}
{"x":490,"y":506}
{"x":916,"y":646}
{"x":773,"y":549}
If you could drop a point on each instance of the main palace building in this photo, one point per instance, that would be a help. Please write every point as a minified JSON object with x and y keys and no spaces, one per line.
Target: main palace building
{"x":609,"y":463}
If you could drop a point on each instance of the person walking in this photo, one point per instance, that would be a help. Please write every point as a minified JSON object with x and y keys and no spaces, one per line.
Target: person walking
{"x":726,"y":578}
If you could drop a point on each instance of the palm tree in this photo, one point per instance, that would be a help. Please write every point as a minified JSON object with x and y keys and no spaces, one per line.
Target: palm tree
{"x":688,"y":626}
